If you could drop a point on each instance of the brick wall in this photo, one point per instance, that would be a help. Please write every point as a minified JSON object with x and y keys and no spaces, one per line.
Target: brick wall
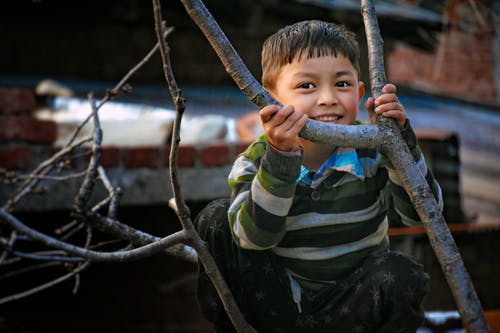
{"x":463,"y":60}
{"x":141,"y":171}
{"x":23,"y":138}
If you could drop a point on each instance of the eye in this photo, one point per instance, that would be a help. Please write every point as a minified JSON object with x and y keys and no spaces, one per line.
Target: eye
{"x":306,"y":85}
{"x":342,"y":84}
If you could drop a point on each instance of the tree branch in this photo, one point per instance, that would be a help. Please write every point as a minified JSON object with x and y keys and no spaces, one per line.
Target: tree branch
{"x":417,"y":188}
{"x":387,"y":138}
{"x":120,"y":256}
{"x":44,"y":286}
{"x":337,"y":135}
{"x":177,"y":203}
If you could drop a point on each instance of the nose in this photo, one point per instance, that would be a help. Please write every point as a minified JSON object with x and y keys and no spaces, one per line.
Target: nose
{"x":327,"y":97}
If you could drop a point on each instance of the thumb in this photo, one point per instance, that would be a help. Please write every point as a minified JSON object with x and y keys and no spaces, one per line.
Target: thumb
{"x":370,"y":109}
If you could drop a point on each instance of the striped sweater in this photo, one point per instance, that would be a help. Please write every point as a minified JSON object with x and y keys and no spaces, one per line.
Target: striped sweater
{"x":320,"y":225}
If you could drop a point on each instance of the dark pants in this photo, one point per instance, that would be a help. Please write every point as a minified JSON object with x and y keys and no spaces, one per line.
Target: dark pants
{"x":383,"y":295}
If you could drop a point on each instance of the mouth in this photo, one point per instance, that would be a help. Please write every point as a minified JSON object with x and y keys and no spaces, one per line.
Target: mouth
{"x":329,"y":118}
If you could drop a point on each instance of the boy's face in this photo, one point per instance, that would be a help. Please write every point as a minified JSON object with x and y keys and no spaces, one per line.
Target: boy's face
{"x":325,"y":88}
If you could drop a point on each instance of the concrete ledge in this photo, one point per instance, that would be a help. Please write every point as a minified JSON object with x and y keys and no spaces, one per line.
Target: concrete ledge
{"x":140,"y":187}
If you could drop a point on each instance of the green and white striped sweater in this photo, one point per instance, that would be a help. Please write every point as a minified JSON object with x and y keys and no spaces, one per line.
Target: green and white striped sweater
{"x":319,"y":226}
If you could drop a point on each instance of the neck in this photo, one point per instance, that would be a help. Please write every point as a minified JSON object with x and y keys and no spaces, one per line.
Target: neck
{"x":315,"y":154}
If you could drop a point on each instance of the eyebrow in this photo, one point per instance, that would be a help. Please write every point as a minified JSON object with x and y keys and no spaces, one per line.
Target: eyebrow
{"x":337,"y":74}
{"x":346,"y":72}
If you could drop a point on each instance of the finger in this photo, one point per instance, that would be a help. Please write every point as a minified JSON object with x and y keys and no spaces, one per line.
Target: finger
{"x":389,"y":88}
{"x":369,"y":103}
{"x":267,"y":112}
{"x":292,"y":118}
{"x":278,"y":115}
{"x":299,"y":124}
{"x":386,"y":98}
{"x":392,"y":106}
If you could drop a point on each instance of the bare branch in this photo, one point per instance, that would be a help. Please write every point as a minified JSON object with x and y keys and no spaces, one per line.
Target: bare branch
{"x":120,"y":256}
{"x":337,"y":135}
{"x":389,"y":142}
{"x":45,"y":285}
{"x":31,"y":268}
{"x":42,"y":169}
{"x":83,"y":196}
{"x":416,"y":186}
{"x":45,"y":177}
{"x":119,"y":86}
{"x":10,"y":243}
{"x":178,"y":203}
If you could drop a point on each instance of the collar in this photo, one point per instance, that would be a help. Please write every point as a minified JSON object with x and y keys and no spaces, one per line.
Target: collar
{"x":343,"y":159}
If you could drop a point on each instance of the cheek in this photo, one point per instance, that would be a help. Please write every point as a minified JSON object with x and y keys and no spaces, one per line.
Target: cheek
{"x":351,"y":105}
{"x":304,"y":103}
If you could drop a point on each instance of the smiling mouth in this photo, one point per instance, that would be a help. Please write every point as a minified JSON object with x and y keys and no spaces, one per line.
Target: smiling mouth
{"x":328,"y":118}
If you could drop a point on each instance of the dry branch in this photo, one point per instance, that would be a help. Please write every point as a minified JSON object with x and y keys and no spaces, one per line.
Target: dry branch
{"x":387,"y":138}
{"x":415,"y":185}
{"x":177,"y":203}
{"x":88,"y":217}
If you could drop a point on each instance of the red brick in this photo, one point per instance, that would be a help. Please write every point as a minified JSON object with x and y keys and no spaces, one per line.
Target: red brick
{"x":141,"y":157}
{"x":12,"y":158}
{"x":215,"y":155}
{"x":110,"y":157}
{"x":186,"y":156}
{"x":24,"y":128}
{"x":16,"y":100}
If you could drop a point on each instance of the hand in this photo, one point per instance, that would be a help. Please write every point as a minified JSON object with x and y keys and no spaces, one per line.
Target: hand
{"x":387,"y":105}
{"x":282,"y":126}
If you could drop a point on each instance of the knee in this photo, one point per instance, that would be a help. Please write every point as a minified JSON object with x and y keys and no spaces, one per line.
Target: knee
{"x":399,"y":274}
{"x":212,"y":216}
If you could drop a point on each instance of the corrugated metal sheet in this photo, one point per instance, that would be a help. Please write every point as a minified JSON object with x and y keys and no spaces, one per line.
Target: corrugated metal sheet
{"x":397,"y":9}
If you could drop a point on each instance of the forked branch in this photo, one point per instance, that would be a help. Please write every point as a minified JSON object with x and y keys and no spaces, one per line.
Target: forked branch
{"x":177,"y":203}
{"x":386,"y":138}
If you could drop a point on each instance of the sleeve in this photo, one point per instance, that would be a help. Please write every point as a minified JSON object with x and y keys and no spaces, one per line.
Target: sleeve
{"x":262,"y":183}
{"x":401,"y":200}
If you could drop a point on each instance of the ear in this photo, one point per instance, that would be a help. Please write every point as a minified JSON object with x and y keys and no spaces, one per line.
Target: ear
{"x":361,"y":90}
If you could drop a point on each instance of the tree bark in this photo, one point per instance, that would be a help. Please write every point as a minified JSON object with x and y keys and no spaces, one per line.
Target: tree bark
{"x":421,"y":196}
{"x":386,"y":137}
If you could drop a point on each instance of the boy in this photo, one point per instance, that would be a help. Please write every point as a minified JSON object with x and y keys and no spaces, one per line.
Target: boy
{"x":304,"y":245}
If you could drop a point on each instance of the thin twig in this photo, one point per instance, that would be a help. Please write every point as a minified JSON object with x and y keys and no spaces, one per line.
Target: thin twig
{"x":73,"y":231}
{"x":28,"y":269}
{"x":57,"y":178}
{"x":10,"y":243}
{"x":478,"y":15}
{"x":44,"y":257}
{"x":66,"y":227}
{"x":114,"y":91}
{"x":82,"y":198}
{"x":119,"y":256}
{"x":44,"y":286}
{"x":115,"y":193}
{"x":42,"y":169}
{"x":178,"y":203}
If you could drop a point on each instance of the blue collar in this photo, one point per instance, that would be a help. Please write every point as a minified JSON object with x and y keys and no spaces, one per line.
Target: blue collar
{"x":343,"y":159}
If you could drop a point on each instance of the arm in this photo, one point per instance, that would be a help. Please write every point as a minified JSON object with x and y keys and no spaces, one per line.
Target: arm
{"x":262,"y":183}
{"x":263,"y":180}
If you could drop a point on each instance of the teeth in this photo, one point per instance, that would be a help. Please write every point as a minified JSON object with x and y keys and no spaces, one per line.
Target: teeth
{"x":328,"y":118}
